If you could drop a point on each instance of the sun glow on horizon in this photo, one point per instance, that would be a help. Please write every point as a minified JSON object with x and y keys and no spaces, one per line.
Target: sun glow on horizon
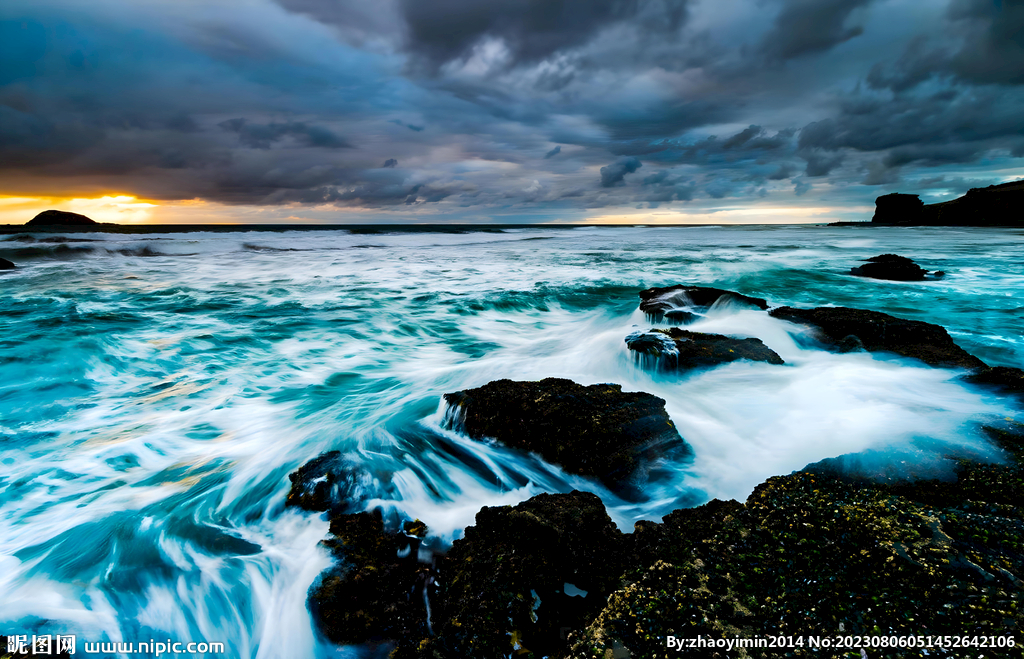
{"x":114,"y":208}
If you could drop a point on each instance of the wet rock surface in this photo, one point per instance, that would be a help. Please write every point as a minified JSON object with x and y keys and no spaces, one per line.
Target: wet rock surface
{"x":504,"y":583}
{"x":6,"y":265}
{"x":890,"y":266}
{"x":813,"y":553}
{"x":678,"y":349}
{"x":847,"y":329}
{"x":374,"y":592}
{"x":596,"y":430}
{"x":683,"y":303}
{"x":1002,"y":378}
{"x":817,"y":554}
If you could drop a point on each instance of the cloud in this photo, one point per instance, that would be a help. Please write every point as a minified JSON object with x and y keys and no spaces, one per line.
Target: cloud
{"x":615,"y":173}
{"x":261,"y":136}
{"x":390,"y":162}
{"x":528,"y":30}
{"x":553,"y":152}
{"x":806,"y":27}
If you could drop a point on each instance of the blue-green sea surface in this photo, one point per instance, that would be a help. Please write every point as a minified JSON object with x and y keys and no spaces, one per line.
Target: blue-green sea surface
{"x":156,"y":391}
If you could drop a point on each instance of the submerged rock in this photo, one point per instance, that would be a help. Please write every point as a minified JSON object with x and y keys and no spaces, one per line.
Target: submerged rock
{"x":1002,"y":378}
{"x":6,"y":265}
{"x":683,"y":303}
{"x":890,"y":266}
{"x":678,"y":349}
{"x":63,"y":218}
{"x":325,"y":482}
{"x":847,"y":329}
{"x":598,"y":430}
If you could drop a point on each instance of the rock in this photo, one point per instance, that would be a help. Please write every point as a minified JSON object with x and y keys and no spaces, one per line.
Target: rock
{"x":506,"y":581}
{"x":898,"y":208}
{"x":63,"y":218}
{"x":375,"y":591}
{"x":6,"y":265}
{"x":1002,"y":378}
{"x":890,"y":266}
{"x":848,"y":329}
{"x":598,"y":431}
{"x":678,"y":349}
{"x":821,"y":554}
{"x":330,"y":482}
{"x":996,"y":205}
{"x":681,"y":302}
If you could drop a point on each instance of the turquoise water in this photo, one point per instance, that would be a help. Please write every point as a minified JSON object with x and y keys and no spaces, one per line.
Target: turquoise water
{"x":156,"y":391}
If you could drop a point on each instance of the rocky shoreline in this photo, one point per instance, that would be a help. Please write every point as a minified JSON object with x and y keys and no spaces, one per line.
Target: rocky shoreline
{"x":820,"y":552}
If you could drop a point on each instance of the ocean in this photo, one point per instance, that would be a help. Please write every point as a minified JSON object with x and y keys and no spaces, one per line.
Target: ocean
{"x":156,"y":390}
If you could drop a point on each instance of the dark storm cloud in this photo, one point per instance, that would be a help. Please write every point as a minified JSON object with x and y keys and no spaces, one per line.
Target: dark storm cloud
{"x":806,"y":27}
{"x":261,"y":136}
{"x":663,"y":187}
{"x":982,"y":43}
{"x":301,"y":101}
{"x":615,"y":173}
{"x":531,"y":30}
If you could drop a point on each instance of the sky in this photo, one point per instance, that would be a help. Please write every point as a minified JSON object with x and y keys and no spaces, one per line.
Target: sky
{"x":511,"y":111}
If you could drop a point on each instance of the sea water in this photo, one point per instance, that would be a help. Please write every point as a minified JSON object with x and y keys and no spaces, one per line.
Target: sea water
{"x":156,"y":391}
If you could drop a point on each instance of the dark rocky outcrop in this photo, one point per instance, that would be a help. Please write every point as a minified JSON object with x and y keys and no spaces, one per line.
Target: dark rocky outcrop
{"x":898,"y":208}
{"x":684,"y":303}
{"x":890,"y":266}
{"x":62,"y":218}
{"x":846,"y":329}
{"x":817,"y":552}
{"x":813,"y":553}
{"x":598,"y":431}
{"x":505,"y":582}
{"x":822,"y":554}
{"x":679,"y":349}
{"x":6,"y":265}
{"x":996,"y":205}
{"x":1001,"y":378}
{"x":374,"y":592}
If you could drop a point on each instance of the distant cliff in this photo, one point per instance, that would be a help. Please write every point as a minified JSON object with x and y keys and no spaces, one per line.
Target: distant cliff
{"x":994,"y":206}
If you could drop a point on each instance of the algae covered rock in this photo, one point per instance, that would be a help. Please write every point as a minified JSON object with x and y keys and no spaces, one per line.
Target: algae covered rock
{"x":846,"y":329}
{"x":375,"y":590}
{"x":683,"y":303}
{"x":819,"y":554}
{"x":597,"y":430}
{"x":890,"y":266}
{"x":678,"y":349}
{"x":521,"y":574}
